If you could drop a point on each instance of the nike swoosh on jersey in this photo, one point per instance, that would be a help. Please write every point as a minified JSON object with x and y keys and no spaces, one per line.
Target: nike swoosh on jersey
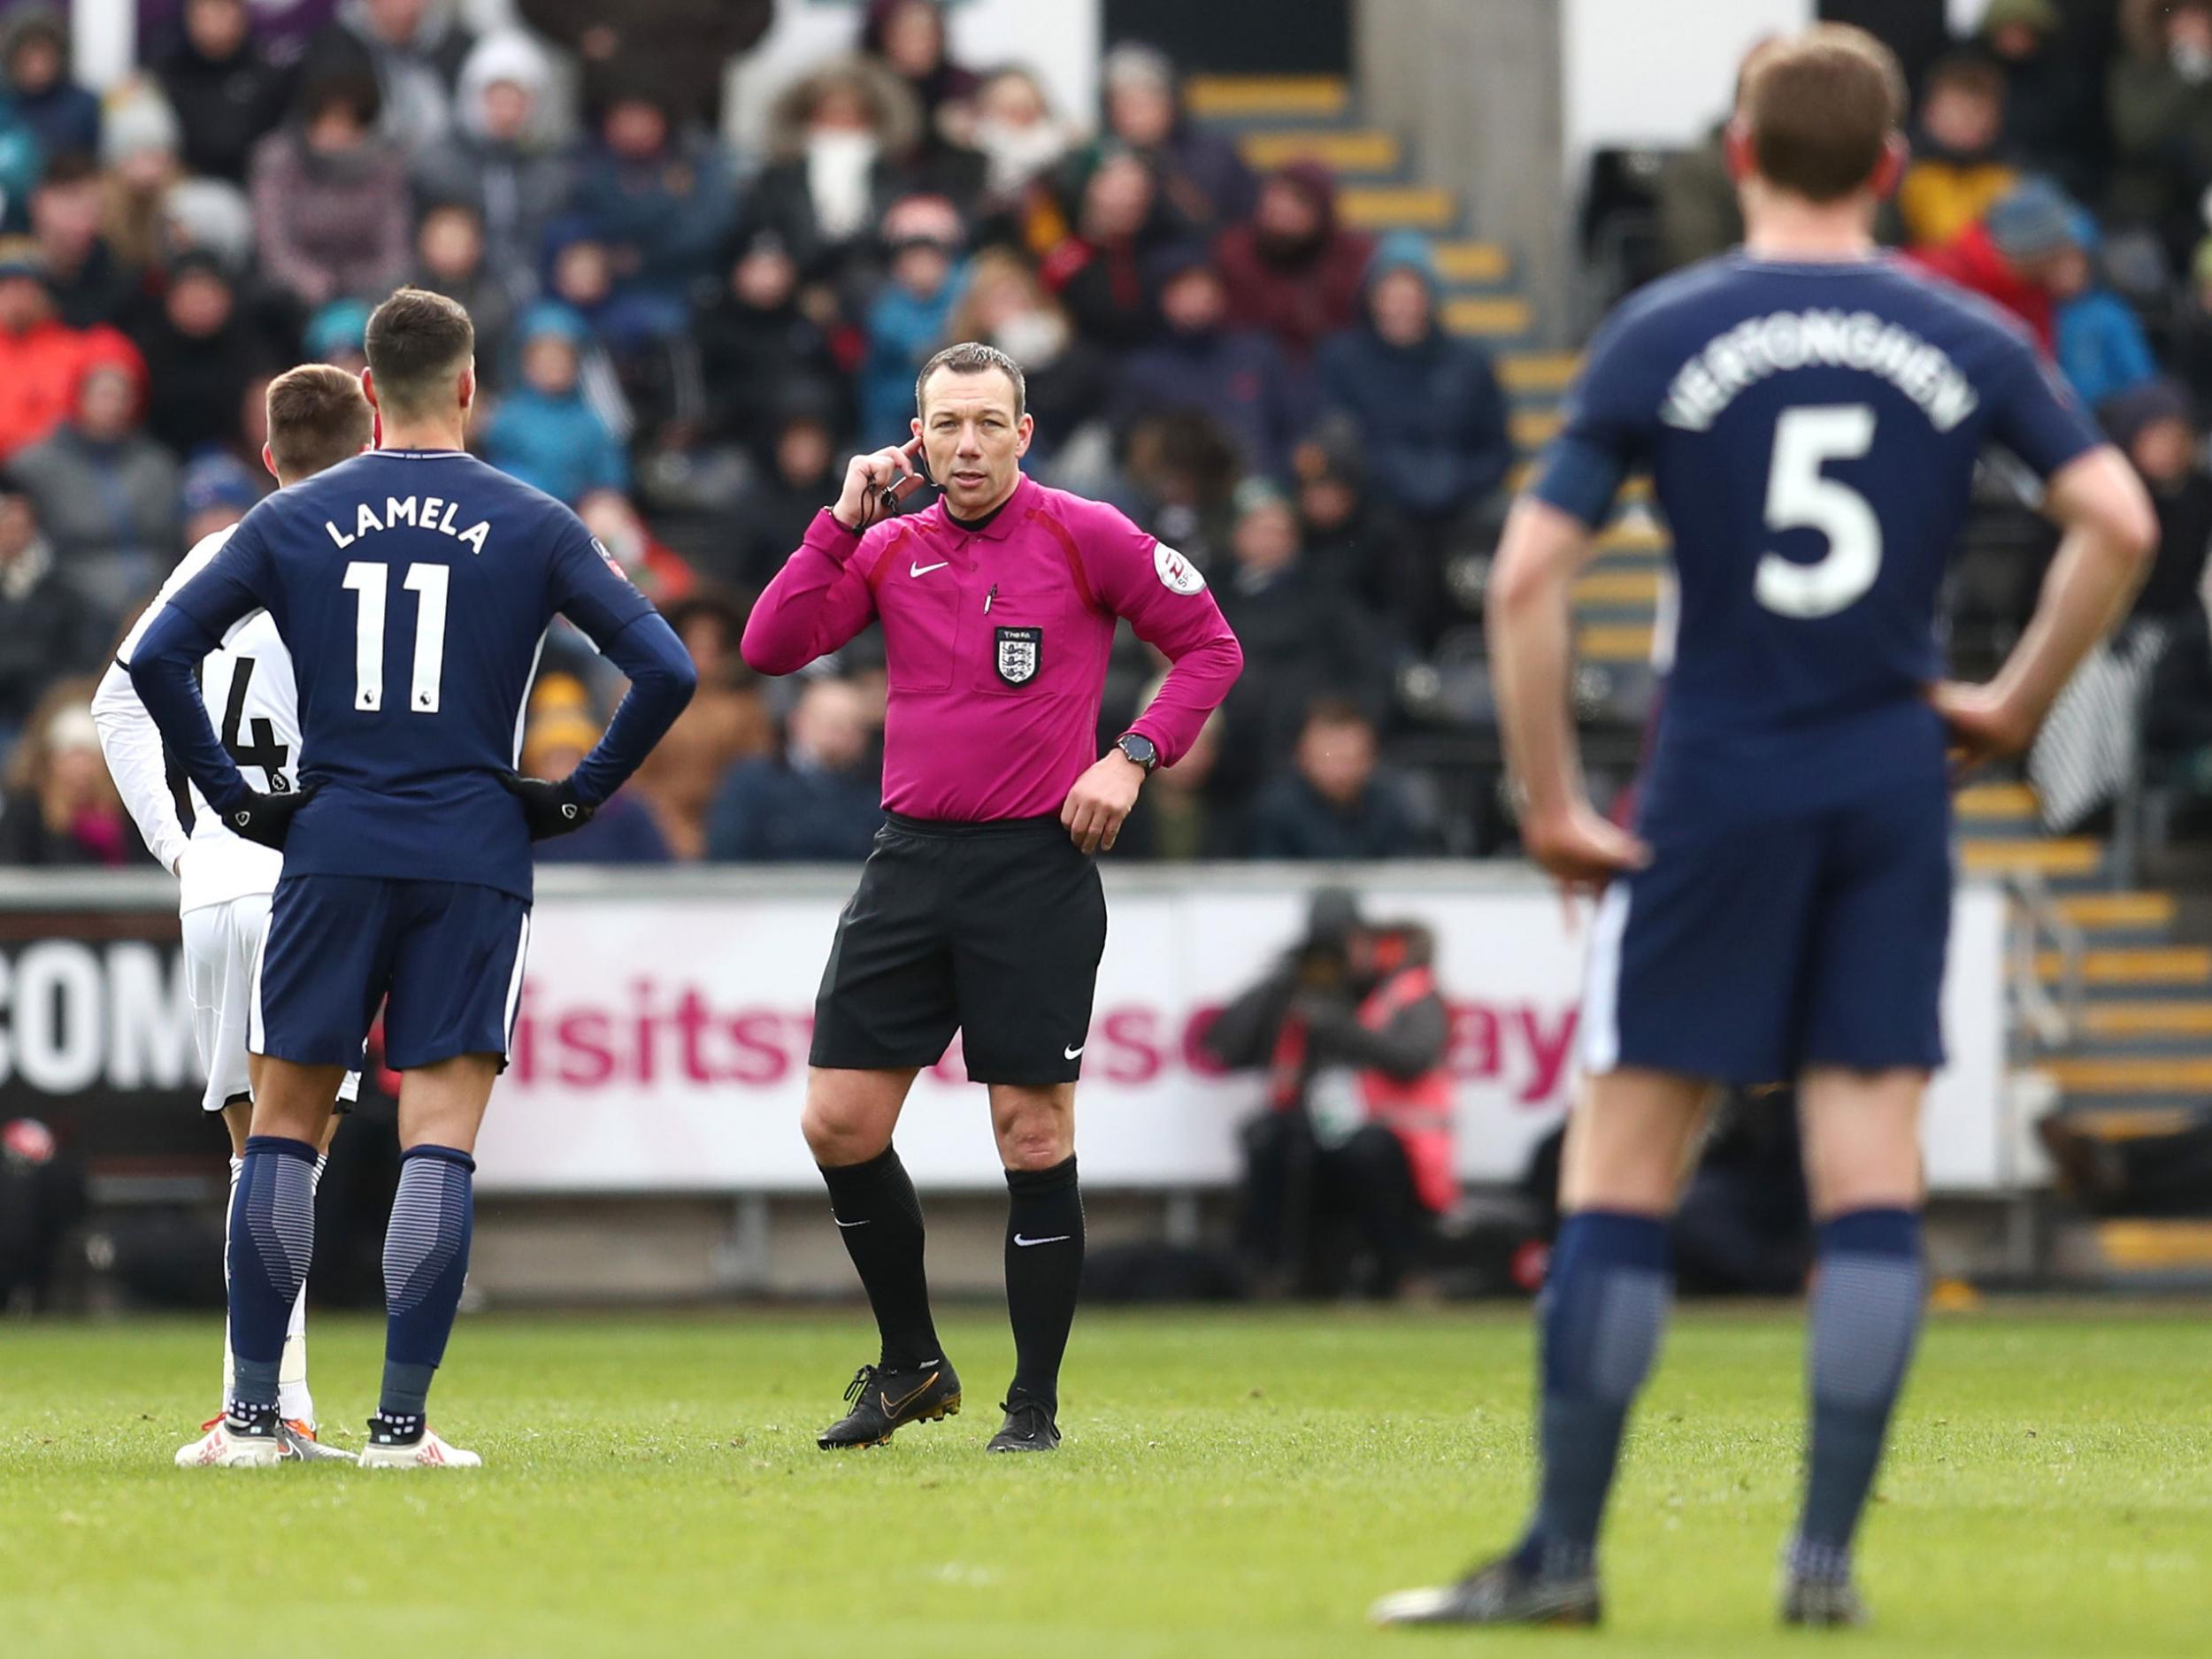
{"x":1057,"y":1238}
{"x":924,"y":570}
{"x":1069,"y":1054}
{"x":850,"y":1224}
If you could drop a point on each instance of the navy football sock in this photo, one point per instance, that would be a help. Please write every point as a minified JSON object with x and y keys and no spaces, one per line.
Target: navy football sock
{"x":879,"y":1219}
{"x":1604,"y":1305}
{"x":272,"y":1241}
{"x":426,"y":1263}
{"x":1865,"y":1314}
{"x":1044,"y":1270}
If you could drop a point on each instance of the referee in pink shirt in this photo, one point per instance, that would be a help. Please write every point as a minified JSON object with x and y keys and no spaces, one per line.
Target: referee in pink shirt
{"x":979,"y":910}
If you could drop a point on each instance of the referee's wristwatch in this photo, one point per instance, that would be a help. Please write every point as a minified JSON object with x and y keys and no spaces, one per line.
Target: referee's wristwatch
{"x":1140,"y":748}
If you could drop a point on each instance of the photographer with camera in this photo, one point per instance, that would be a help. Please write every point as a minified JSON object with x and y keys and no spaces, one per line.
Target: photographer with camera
{"x":1356,"y":1146}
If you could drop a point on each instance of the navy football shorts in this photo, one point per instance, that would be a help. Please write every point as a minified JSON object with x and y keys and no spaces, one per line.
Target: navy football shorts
{"x":445,"y":958}
{"x":1750,"y":954}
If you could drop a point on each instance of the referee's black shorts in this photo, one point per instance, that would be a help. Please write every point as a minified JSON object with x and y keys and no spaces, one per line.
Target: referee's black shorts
{"x":992,"y":930}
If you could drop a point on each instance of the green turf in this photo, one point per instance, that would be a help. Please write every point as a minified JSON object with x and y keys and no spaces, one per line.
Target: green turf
{"x":1231,"y":1484}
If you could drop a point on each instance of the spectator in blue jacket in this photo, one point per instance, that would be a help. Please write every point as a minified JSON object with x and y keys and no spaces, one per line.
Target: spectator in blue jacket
{"x":34,"y":74}
{"x":1236,"y":377}
{"x":820,"y":800}
{"x":1425,"y":402}
{"x":2101,"y":349}
{"x":908,"y":320}
{"x":543,"y":431}
{"x":661,"y":198}
{"x":1337,"y":805}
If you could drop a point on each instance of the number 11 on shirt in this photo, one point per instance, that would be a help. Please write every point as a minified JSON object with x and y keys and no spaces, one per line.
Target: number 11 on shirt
{"x":372,"y":582}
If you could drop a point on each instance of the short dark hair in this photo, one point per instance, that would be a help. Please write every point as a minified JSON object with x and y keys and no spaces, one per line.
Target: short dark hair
{"x":972,"y":357}
{"x":1976,"y":77}
{"x":318,"y":416}
{"x":1820,"y":108}
{"x":417,"y":341}
{"x":1330,"y":708}
{"x":68,"y":167}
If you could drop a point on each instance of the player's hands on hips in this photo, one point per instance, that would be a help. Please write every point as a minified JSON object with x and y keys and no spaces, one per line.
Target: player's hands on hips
{"x":1581,"y":848}
{"x":263,"y":819}
{"x":860,"y":504}
{"x":1101,"y":800}
{"x":1984,"y":726}
{"x":551,"y":808}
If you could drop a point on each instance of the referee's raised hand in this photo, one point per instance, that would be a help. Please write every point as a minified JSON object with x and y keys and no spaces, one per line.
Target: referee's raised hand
{"x":867,"y":477}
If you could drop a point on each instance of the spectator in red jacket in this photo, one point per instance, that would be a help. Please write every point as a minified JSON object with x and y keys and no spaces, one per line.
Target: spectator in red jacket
{"x":42,"y":358}
{"x":1293,"y":270}
{"x":2006,"y":258}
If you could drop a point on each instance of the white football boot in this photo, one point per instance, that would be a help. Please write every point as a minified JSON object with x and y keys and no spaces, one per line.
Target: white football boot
{"x":220,"y":1448}
{"x":429,"y":1452}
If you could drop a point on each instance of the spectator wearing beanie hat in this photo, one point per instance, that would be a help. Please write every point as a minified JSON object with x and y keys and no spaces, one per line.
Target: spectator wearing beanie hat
{"x":544,"y":433}
{"x":1425,"y":403}
{"x":2100,"y":347}
{"x":505,"y":159}
{"x":138,"y":150}
{"x":106,"y":493}
{"x":34,"y":75}
{"x":2002,"y":257}
{"x":218,"y":492}
{"x":1293,"y":269}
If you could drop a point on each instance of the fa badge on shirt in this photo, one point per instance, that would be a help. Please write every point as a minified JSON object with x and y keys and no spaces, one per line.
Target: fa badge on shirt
{"x":1020,"y":653}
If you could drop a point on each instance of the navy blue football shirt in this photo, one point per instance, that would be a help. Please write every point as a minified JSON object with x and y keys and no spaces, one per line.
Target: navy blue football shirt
{"x":1811,"y":430}
{"x":413,"y":589}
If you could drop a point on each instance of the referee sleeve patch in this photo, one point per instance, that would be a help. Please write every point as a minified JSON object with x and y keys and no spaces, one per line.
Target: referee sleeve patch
{"x":1176,"y":573}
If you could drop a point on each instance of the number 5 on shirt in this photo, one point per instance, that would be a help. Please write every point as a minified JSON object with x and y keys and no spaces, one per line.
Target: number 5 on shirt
{"x":1800,"y":497}
{"x":372,"y":582}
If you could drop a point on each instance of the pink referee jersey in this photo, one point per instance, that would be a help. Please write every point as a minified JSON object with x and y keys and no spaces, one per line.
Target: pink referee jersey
{"x":996,"y":642}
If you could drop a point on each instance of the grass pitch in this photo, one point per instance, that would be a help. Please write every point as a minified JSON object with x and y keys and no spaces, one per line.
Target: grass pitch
{"x":1233,"y":1483}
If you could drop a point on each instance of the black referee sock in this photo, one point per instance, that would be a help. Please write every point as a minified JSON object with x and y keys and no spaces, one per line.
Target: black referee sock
{"x":880,"y":1220}
{"x":1044,"y":1270}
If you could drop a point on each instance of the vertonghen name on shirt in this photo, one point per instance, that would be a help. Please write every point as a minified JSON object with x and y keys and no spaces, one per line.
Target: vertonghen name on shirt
{"x":1763,"y":346}
{"x":419,"y":512}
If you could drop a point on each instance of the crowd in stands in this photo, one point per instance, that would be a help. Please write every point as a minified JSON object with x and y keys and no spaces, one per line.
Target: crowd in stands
{"x":685,"y":340}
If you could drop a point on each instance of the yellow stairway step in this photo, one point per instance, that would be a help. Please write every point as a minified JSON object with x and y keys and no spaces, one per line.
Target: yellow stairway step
{"x":1995,"y":801}
{"x":1360,"y":150}
{"x":2150,"y":965}
{"x":1618,"y":587}
{"x":1614,"y":642}
{"x":1483,"y":262}
{"x":2155,"y":1244}
{"x":2069,"y":856}
{"x":2154,"y":1075}
{"x":2117,"y":910}
{"x":1537,"y":371}
{"x":1634,"y":535}
{"x":1489,"y":314}
{"x":1225,"y":96}
{"x":2147,"y":1019}
{"x":1534,"y":429}
{"x":1395,"y":206}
